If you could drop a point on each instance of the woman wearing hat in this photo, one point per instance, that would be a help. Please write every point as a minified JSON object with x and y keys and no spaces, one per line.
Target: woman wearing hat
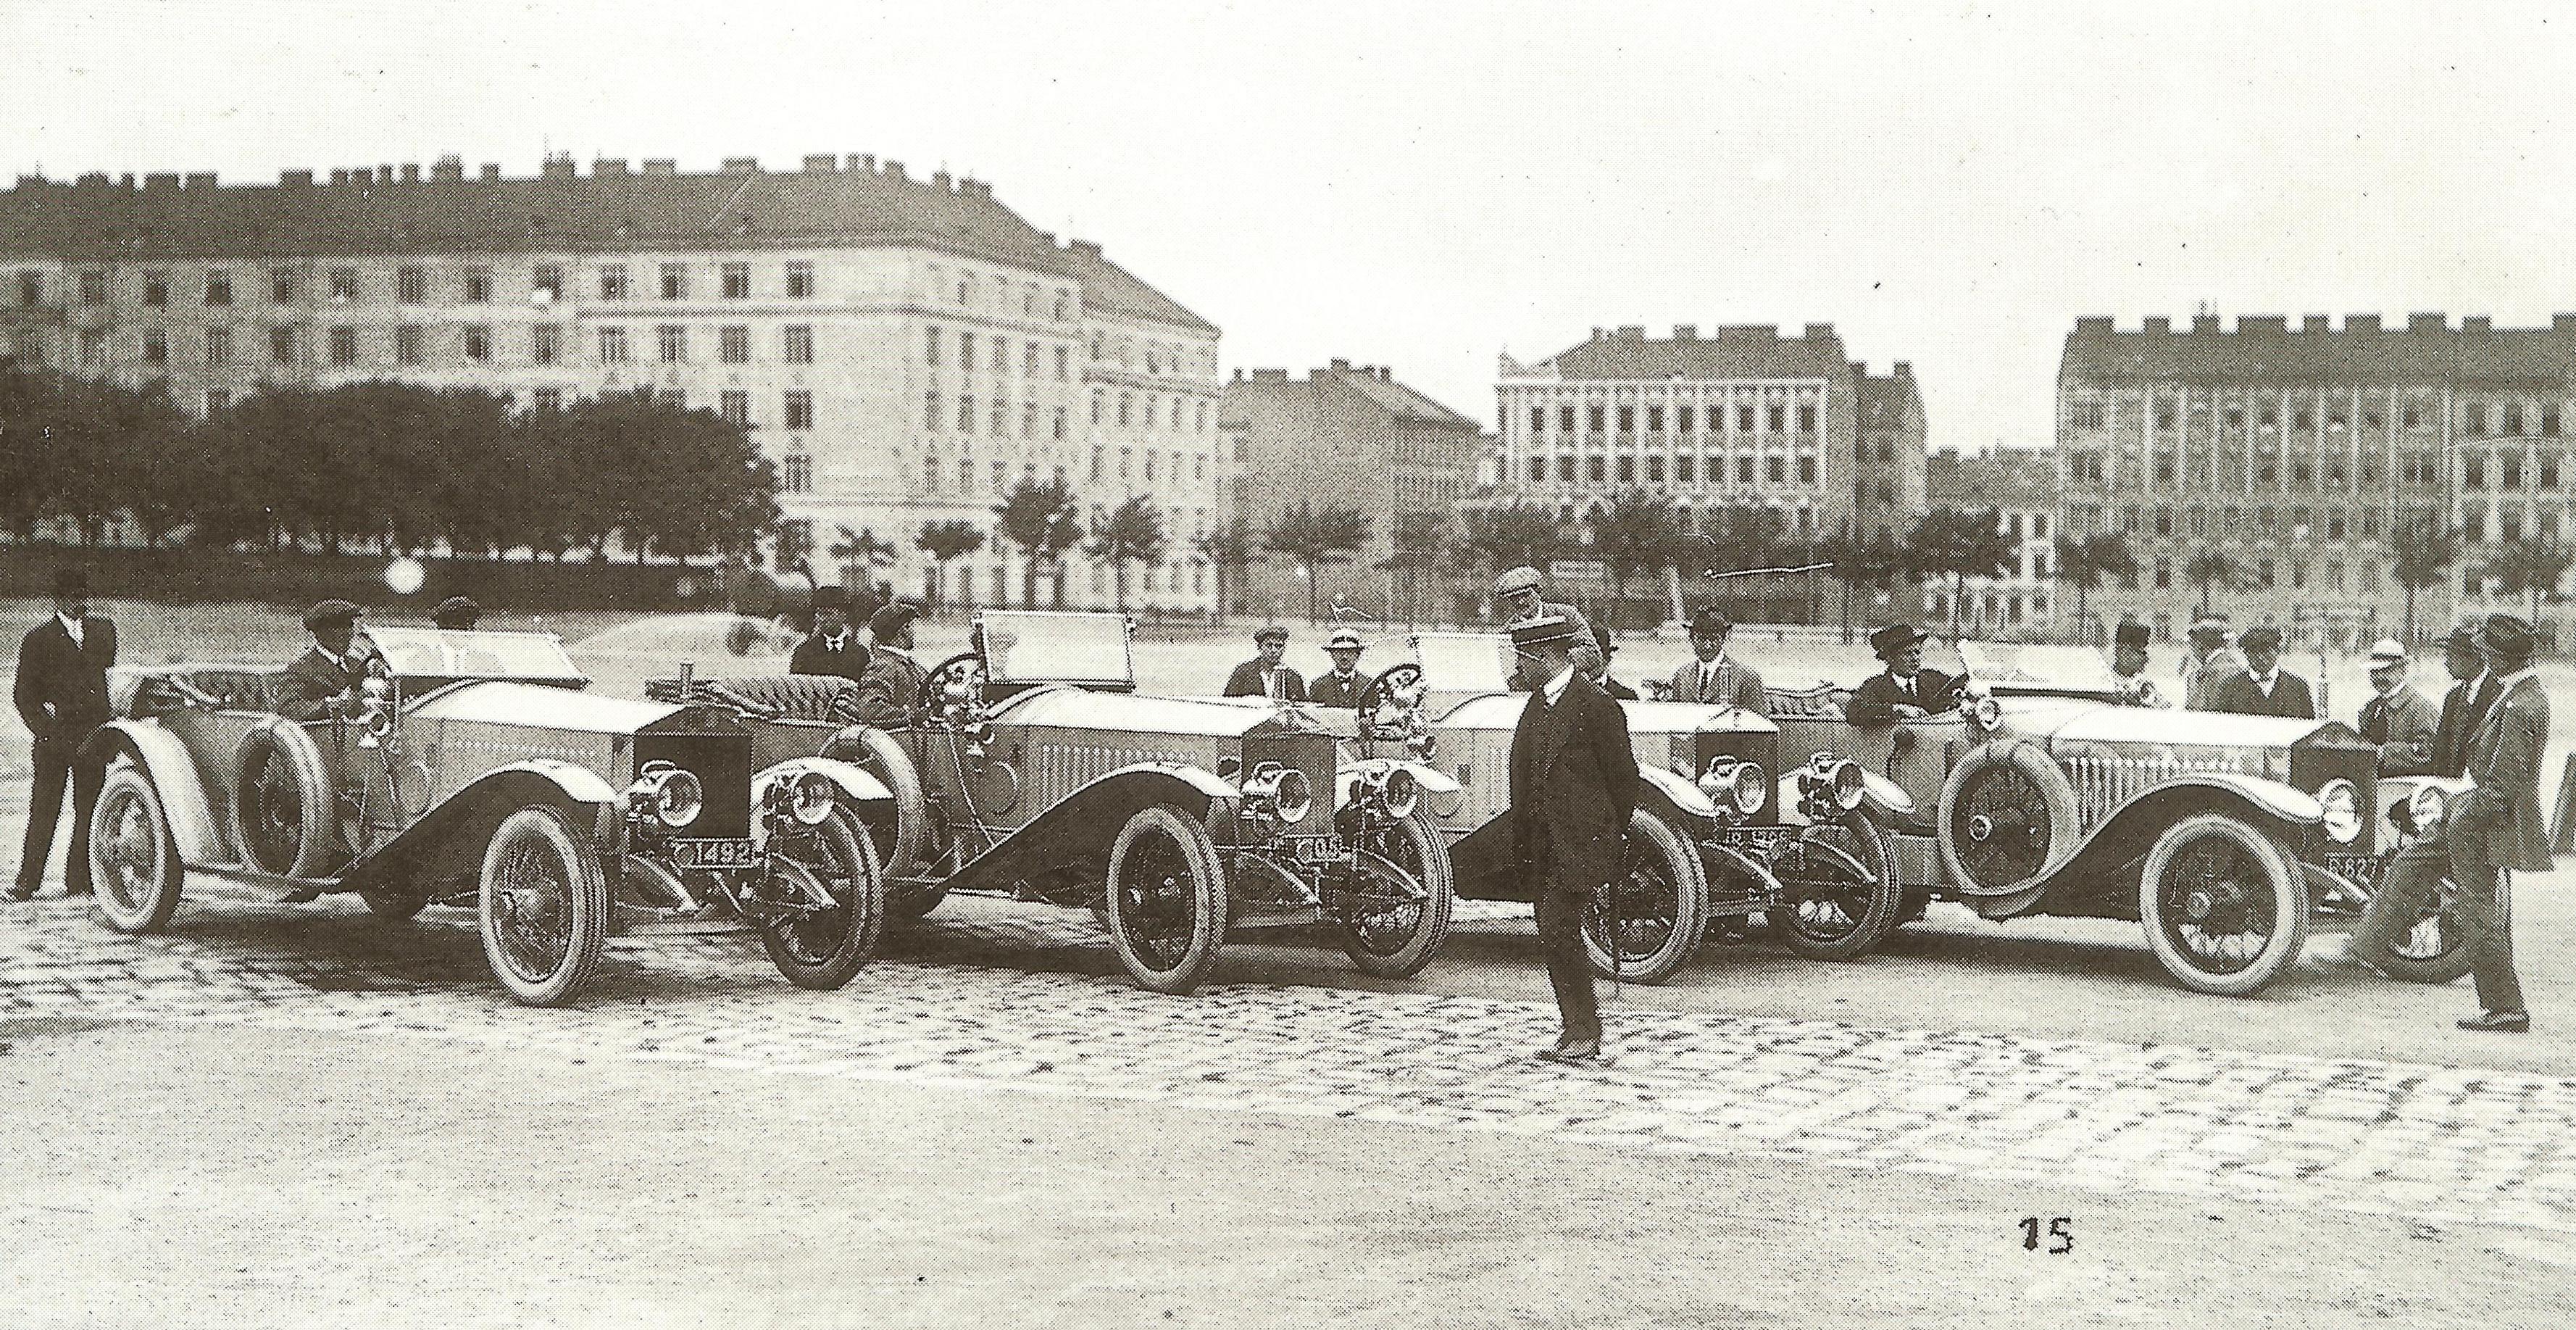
{"x":1905,"y":690}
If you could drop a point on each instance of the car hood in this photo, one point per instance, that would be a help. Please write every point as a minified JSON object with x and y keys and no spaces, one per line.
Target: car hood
{"x":504,"y":703}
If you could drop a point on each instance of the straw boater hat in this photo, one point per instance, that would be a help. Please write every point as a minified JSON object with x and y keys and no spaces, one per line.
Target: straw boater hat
{"x":2386,"y":652}
{"x":1344,"y":639}
{"x":2210,"y":622}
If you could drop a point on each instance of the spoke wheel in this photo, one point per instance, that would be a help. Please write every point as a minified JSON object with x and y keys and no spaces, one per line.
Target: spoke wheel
{"x":1167,"y":900}
{"x":543,"y":907}
{"x":823,"y":946}
{"x":1839,"y":887}
{"x":2225,"y":907}
{"x":282,"y":818}
{"x":1650,"y":917}
{"x":2431,"y":952}
{"x":1396,"y":913}
{"x":133,"y":861}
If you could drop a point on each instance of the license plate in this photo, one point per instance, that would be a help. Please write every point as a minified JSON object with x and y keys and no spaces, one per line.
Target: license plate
{"x":714,"y":854}
{"x":2360,"y":869}
{"x":1315,"y":849}
{"x":1755,"y":842}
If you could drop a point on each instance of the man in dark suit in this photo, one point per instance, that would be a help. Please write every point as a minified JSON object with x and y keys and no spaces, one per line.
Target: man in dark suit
{"x":1905,"y":690}
{"x":1715,"y":676}
{"x":1573,"y":787}
{"x":324,"y":680}
{"x":2498,"y":825}
{"x":1343,"y":685}
{"x":2129,"y":667}
{"x":2465,"y":707}
{"x":1267,"y":674}
{"x":892,"y":688}
{"x":1603,"y":649}
{"x":2265,"y":689}
{"x":61,"y":693}
{"x":2413,"y":879}
{"x":2398,"y":718}
{"x":831,"y":648}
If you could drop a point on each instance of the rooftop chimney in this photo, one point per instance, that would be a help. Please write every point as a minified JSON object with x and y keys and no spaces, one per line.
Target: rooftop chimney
{"x":2309,"y":323}
{"x":2092,"y":323}
{"x":863,"y":161}
{"x":557,"y":168}
{"x":740,"y":166}
{"x":491,"y":170}
{"x":2428,"y":323}
{"x":2562,"y":323}
{"x":608,"y":168}
{"x":2204,"y":323}
{"x":1263,"y":375}
{"x":939,"y":181}
{"x":820,"y":163}
{"x":894,"y":170}
{"x":339,"y":175}
{"x":2157,"y":324}
{"x":1685,"y":332}
{"x":1748,"y":332}
{"x":92,"y":178}
{"x":975,"y":189}
{"x":661,"y":166}
{"x":1905,"y":369}
{"x":448,"y":167}
{"x":1820,"y":332}
{"x":1090,"y":247}
{"x":411,"y":173}
{"x":2475,"y":323}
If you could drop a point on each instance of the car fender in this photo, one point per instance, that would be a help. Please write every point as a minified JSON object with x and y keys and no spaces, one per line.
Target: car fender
{"x":174,"y":775}
{"x":1684,"y":795}
{"x":2285,"y":802}
{"x":2110,"y":853}
{"x":436,"y":843}
{"x":1083,"y":824}
{"x":1197,"y":778}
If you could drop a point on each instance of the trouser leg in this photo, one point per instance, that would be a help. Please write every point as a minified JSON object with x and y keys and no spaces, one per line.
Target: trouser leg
{"x":2486,"y":928}
{"x":86,"y":778}
{"x":44,"y":809}
{"x":2409,"y":887}
{"x":1569,"y":970}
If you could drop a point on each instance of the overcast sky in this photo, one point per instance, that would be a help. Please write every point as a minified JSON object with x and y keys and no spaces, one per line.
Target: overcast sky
{"x":1424,"y":186}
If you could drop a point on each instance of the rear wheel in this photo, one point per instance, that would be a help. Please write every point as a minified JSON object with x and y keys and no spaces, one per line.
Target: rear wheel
{"x":1167,"y":900}
{"x":814,"y":944}
{"x":1839,"y":888}
{"x":543,"y":907}
{"x":2431,"y":950}
{"x":2224,"y":904}
{"x":133,"y":860}
{"x":1396,"y":914}
{"x":1652,"y":916}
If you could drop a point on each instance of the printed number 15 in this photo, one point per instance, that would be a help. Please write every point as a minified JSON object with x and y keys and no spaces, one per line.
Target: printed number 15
{"x":2061,"y":1234}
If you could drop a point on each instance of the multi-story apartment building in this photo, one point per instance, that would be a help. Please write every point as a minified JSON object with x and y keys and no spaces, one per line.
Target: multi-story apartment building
{"x":904,"y":349}
{"x":1353,"y":437}
{"x":2296,"y":451}
{"x":2021,"y":485}
{"x":1888,"y":470}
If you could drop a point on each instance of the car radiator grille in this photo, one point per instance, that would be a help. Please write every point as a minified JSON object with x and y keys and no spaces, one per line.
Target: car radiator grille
{"x":2104,"y":783}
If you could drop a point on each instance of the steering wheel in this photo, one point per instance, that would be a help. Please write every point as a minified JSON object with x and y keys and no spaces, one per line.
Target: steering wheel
{"x":1398,"y":676}
{"x":966,"y":668}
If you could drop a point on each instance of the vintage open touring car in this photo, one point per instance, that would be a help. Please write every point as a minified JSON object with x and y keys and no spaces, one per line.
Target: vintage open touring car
{"x":1716,"y":834}
{"x":475,"y":772}
{"x":1032,"y":769}
{"x":2227,"y":838}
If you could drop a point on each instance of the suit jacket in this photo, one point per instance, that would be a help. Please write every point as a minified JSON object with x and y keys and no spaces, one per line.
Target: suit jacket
{"x":1619,"y":692}
{"x":2464,"y":708}
{"x":2291,"y":696}
{"x":1874,"y":702}
{"x":1328,"y":690}
{"x":2500,"y":822}
{"x":305,"y":691}
{"x":813,"y":657}
{"x":891,"y":689}
{"x":61,"y":689}
{"x":2403,"y":725}
{"x":1573,"y":786}
{"x":1246,"y":682}
{"x":2200,"y":679}
{"x":1736,"y":685}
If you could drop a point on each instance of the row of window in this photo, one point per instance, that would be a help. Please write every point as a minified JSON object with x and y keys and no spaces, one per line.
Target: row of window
{"x":2229,"y":521}
{"x":2509,"y":471}
{"x":1007,"y":296}
{"x":1597,"y":469}
{"x":2511,"y":417}
{"x":474,"y":343}
{"x":2473,"y":524}
{"x":1596,"y":416}
{"x":2304,"y":472}
{"x":1180,"y":413}
{"x":474,"y":285}
{"x":935,"y":338}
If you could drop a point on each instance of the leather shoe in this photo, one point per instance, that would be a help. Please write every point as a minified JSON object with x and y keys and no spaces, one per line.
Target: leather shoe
{"x":23,"y":891}
{"x":1578,"y":1052}
{"x":2507,"y":1022}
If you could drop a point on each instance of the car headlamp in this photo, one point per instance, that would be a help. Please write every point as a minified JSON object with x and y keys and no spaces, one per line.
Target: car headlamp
{"x":673,"y":797}
{"x":1718,"y":782}
{"x":814,"y":799}
{"x":1985,"y":711}
{"x":1394,"y":792}
{"x":1279,"y":791}
{"x":2429,"y":806}
{"x":1750,"y":788}
{"x":2342,"y":811}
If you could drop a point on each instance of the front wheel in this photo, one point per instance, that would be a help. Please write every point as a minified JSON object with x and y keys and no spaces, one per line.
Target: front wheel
{"x":1167,"y":900}
{"x":2430,"y":951}
{"x":1653,"y":915}
{"x":543,"y":907}
{"x":823,"y":943}
{"x":1839,"y":886}
{"x":133,"y":860}
{"x":1402,"y":894}
{"x":2225,"y":906}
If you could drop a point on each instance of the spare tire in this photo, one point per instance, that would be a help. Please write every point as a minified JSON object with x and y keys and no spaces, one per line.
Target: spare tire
{"x":283,"y":809}
{"x":2008,"y":818}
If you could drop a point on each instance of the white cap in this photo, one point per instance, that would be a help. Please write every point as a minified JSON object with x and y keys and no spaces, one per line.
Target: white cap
{"x":2386,"y":652}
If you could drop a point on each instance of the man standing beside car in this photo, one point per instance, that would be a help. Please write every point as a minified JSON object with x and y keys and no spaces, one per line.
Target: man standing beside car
{"x":2465,"y":707}
{"x":1573,"y":780}
{"x":2497,"y":825}
{"x":61,"y":692}
{"x":2208,"y":662}
{"x":2265,"y":689}
{"x":2398,"y":719}
{"x":831,"y":648}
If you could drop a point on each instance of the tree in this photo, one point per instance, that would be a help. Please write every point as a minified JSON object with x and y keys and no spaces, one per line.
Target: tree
{"x":943,"y":541}
{"x":1039,"y":516}
{"x":861,"y":554}
{"x":1132,"y":531}
{"x":1230,"y":549}
{"x":1314,"y":537}
{"x":2210,"y":568}
{"x":1511,"y":535}
{"x":2083,"y":561}
{"x":2420,"y":550}
{"x":1419,"y":544}
{"x":1636,"y":532}
{"x":1861,"y":565}
{"x":1959,"y":544}
{"x":2529,"y":566}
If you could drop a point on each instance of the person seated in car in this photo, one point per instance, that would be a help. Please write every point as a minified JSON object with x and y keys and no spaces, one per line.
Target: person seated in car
{"x":832,"y":648}
{"x":1713,"y":675}
{"x":457,"y":614}
{"x":2129,"y":667}
{"x":1267,"y":674}
{"x":891,"y":689}
{"x":325,"y":680}
{"x":1600,"y":674}
{"x":1905,"y":690}
{"x":1344,"y":685}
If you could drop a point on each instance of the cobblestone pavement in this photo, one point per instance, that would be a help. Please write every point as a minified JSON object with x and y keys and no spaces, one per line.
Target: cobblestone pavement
{"x":958,"y":1003}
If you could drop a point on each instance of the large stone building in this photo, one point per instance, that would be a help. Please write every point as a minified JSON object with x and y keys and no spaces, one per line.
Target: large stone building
{"x":2021,"y":485}
{"x":904,"y":349}
{"x":1355,"y":437}
{"x":2296,"y":451}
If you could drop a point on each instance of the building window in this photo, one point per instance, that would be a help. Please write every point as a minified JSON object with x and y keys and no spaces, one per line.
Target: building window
{"x":407,"y":344}
{"x":1806,"y":471}
{"x":2473,"y":473}
{"x":795,"y":541}
{"x":671,"y":343}
{"x":93,"y":288}
{"x":2088,"y":415}
{"x":800,"y":279}
{"x":966,"y":414}
{"x":1777,"y":469}
{"x":2264,"y":574}
{"x":2475,"y":418}
{"x":411,"y":285}
{"x":737,"y":281}
{"x":1537,"y":469}
{"x":1001,"y":415}
{"x":612,"y":346}
{"x":1059,"y":422}
{"x":1029,"y":359}
{"x":2513,"y":418}
{"x":966,"y":350}
{"x":1126,"y":408}
{"x":478,"y":343}
{"x":478,"y":286}
{"x":1627,"y":471}
{"x":735,"y":406}
{"x":1063,"y":365}
{"x":219,"y":288}
{"x":799,"y":474}
{"x":1565,"y":468}
{"x":1806,"y":420}
{"x":798,"y":409}
{"x":800,"y":344}
{"x":1028,"y":420}
{"x":219,"y":346}
{"x":675,"y":281}
{"x":156,"y":347}
{"x":156,"y":288}
{"x":1627,"y":420}
{"x":612,"y":282}
{"x":549,"y":279}
{"x":1744,"y":469}
{"x":1597,"y":418}
{"x":1655,"y":470}
{"x":549,"y":399}
{"x":931,"y":417}
{"x":344,"y":284}
{"x":344,"y":346}
{"x":733,"y":344}
{"x":1596,"y":469}
{"x":1778,"y":419}
{"x":545,"y":343}
{"x":281,"y":287}
{"x":281,"y":346}
{"x":2473,"y":524}
{"x":1001,"y":355}
{"x":1684,"y":468}
{"x":2509,"y":471}
{"x":2304,"y":418}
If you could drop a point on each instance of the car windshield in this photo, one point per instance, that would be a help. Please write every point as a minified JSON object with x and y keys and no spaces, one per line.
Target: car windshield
{"x":1038,"y":646}
{"x":437,"y":653}
{"x":1463,"y":662}
{"x":2029,"y":667}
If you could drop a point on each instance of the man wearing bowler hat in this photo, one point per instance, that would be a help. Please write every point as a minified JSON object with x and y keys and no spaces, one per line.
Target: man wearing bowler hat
{"x":2398,"y":718}
{"x":2129,"y":666}
{"x":457,"y":614}
{"x":61,"y":692}
{"x":1573,"y":781}
{"x":2465,"y":707}
{"x":1905,"y":690}
{"x":1715,"y":676}
{"x":1267,"y":673}
{"x":2497,"y":825}
{"x":832,"y":648}
{"x":324,"y":680}
{"x":2265,"y":689}
{"x":1602,"y":650}
{"x":1344,"y":685}
{"x":2208,"y":662}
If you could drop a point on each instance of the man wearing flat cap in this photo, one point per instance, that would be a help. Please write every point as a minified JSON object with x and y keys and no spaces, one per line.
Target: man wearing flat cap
{"x":457,"y":614}
{"x":2208,"y":662}
{"x":1517,"y":599}
{"x":1267,"y":673}
{"x":1573,"y":781}
{"x":2129,"y":666}
{"x":1905,"y":690}
{"x":1344,"y":685}
{"x":324,"y":681}
{"x":2398,"y":718}
{"x":832,"y":648}
{"x":61,"y":692}
{"x":1714,"y":676}
{"x":2265,"y":689}
{"x":892,"y":687}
